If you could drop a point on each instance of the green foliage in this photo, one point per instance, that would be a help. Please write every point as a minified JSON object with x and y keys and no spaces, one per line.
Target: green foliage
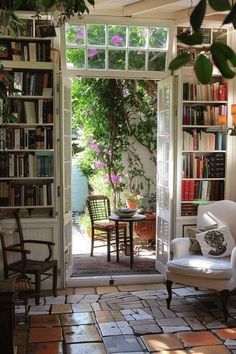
{"x":221,"y":53}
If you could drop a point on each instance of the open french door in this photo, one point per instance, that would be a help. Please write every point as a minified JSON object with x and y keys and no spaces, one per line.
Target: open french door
{"x":165,"y":166}
{"x":65,"y":157}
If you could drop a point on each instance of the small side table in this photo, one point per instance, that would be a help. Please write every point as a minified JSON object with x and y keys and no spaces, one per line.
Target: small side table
{"x":7,"y":319}
{"x":130,"y":221}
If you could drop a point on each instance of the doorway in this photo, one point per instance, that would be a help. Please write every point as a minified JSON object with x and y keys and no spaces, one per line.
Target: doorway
{"x":136,"y":176}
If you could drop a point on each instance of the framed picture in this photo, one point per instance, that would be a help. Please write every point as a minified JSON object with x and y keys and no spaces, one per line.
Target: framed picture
{"x":185,"y":227}
{"x":5,"y":50}
{"x":46,"y":30}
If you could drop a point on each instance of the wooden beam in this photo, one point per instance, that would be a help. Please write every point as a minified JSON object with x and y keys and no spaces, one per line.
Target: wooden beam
{"x":143,"y":6}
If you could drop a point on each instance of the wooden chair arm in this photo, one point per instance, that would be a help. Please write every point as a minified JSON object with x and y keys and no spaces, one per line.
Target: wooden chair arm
{"x":17,"y":249}
{"x":48,"y":243}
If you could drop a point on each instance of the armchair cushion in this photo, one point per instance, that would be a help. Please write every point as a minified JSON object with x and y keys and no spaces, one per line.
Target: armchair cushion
{"x":216,"y":243}
{"x":201,"y":267}
{"x":192,"y":232}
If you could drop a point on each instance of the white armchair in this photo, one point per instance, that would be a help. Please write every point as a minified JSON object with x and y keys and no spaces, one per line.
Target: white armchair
{"x":196,"y":270}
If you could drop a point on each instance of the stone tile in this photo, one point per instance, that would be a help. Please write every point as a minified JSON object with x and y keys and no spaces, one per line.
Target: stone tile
{"x":213,"y":349}
{"x":31,"y":301}
{"x":146,"y":329}
{"x":171,"y":322}
{"x":123,"y":343}
{"x":172,"y":352}
{"x":63,"y":308}
{"x":85,"y":291}
{"x":55,"y":300}
{"x":131,"y":287}
{"x":106,"y":289}
{"x":124,"y":327}
{"x":175,"y":329}
{"x":75,"y":319}
{"x":42,"y":335}
{"x":91,"y":298}
{"x":85,"y":348}
{"x":83,"y":333}
{"x":21,"y":337}
{"x":230,"y":343}
{"x":39,"y":310}
{"x":45,"y":321}
{"x":96,"y":306}
{"x":45,"y":348}
{"x":109,"y":329}
{"x":167,"y":312}
{"x":84,"y":307}
{"x":74,"y":299}
{"x":226,"y":333}
{"x":20,"y":309}
{"x":158,"y":342}
{"x":198,"y":338}
{"x":67,"y":291}
{"x":195,"y":324}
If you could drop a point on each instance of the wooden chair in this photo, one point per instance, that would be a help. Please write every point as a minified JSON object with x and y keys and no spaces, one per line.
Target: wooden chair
{"x":40,"y":269}
{"x":102,"y":228}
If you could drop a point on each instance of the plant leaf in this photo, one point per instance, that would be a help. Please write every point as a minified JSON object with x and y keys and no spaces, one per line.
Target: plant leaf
{"x":219,"y":5}
{"x":203,"y":69}
{"x":17,"y":4}
{"x":47,"y":3}
{"x":221,"y":53}
{"x":191,"y":39}
{"x":180,"y":61}
{"x":197,"y":15}
{"x":231,"y":16}
{"x":92,"y":2}
{"x":225,"y":50}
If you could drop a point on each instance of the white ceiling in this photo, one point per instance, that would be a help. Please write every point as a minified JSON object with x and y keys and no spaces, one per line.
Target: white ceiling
{"x":177,"y":10}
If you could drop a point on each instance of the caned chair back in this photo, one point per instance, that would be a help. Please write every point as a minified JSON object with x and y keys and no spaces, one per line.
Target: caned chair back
{"x":99,"y":207}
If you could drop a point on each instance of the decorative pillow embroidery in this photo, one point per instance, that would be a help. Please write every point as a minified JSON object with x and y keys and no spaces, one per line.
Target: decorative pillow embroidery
{"x":192,"y":232}
{"x":216,"y":243}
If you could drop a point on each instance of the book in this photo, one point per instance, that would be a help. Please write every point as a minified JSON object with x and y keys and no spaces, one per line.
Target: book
{"x":30,"y":112}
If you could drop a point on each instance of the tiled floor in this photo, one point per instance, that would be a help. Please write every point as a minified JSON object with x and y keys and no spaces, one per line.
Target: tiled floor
{"x":127,"y":319}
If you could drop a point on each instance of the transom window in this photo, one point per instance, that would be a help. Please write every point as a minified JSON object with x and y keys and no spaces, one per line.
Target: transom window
{"x":116,"y":47}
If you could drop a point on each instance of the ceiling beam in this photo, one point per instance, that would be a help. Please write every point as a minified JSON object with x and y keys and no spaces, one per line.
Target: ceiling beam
{"x":146,"y":6}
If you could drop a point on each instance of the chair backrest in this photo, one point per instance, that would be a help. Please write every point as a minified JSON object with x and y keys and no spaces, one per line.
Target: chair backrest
{"x":222,"y":212}
{"x":98,"y":207}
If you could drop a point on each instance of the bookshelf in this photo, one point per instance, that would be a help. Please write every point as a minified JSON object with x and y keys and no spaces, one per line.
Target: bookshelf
{"x":202,"y":149}
{"x":27,"y":145}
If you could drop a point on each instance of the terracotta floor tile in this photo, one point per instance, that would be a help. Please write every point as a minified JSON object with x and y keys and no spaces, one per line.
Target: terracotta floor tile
{"x":226,"y":333}
{"x":83,"y":333}
{"x":106,"y":289}
{"x":42,"y":335}
{"x":85,"y":348}
{"x":68,"y":291}
{"x":45,"y":321}
{"x":198,"y":338}
{"x":85,"y":291}
{"x":172,"y":352}
{"x":75,"y":319}
{"x":21,"y":337}
{"x":213,"y":349}
{"x":157,"y":342}
{"x":61,"y":308}
{"x":45,"y":348}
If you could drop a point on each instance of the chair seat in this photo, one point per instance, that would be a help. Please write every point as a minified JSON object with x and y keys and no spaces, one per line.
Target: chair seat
{"x":106,"y":224}
{"x":200,"y":266}
{"x":31,"y":266}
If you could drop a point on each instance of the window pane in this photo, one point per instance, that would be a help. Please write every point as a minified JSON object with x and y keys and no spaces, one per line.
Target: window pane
{"x":75,"y":34}
{"x":137,"y":60}
{"x":116,"y":59}
{"x":96,"y":34}
{"x":75,"y":58}
{"x":96,"y":58}
{"x":117,"y":36}
{"x":137,"y":36}
{"x":158,"y":37}
{"x":156,"y":61}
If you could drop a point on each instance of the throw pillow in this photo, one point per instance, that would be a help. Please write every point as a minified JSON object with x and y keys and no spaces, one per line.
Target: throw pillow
{"x":192,"y":232}
{"x":216,"y":243}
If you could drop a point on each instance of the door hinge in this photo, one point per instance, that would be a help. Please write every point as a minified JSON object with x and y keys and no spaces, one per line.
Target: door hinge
{"x":58,"y":191}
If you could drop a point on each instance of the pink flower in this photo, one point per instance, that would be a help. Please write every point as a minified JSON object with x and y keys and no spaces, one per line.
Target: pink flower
{"x":116,"y":40}
{"x":93,"y":146}
{"x":115,"y":179}
{"x":99,"y":164}
{"x":80,"y":33}
{"x":92,"y":52}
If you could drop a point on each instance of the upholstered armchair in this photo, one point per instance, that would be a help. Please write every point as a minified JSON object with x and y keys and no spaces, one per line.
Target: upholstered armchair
{"x":207,"y":271}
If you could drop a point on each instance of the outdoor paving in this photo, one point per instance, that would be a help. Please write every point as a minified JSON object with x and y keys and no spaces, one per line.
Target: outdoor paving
{"x":126,"y":320}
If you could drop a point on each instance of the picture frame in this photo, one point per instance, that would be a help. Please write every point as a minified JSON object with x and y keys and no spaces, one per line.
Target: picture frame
{"x":185,"y":227}
{"x":46,"y":30}
{"x":5,"y":50}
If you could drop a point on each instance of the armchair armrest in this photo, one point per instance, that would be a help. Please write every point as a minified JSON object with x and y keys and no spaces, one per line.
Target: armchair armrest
{"x":180,"y":247}
{"x":233,"y":262}
{"x":17,"y":249}
{"x":47,"y":243}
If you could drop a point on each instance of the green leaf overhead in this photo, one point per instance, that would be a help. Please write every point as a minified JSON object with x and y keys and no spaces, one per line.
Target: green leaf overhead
{"x":197,"y":15}
{"x":221,"y":55}
{"x":180,"y":61}
{"x":220,"y":5}
{"x":203,"y":69}
{"x":231,"y":17}
{"x":47,"y":3}
{"x":191,"y":39}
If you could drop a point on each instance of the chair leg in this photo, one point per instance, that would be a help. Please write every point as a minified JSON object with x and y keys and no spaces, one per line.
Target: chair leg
{"x":224,"y":297}
{"x":108,"y":246}
{"x":92,"y":242}
{"x":37,"y":287}
{"x":169,"y":291}
{"x":55,"y":275}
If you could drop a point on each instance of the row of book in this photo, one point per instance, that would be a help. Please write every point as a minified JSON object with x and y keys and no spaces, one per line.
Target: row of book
{"x":32,"y":112}
{"x":34,"y":51}
{"x":198,"y":92}
{"x":188,"y":209}
{"x":35,"y":164}
{"x":201,"y":140}
{"x":29,"y":138}
{"x":203,"y":166}
{"x":202,"y":190}
{"x":203,"y":115}
{"x":18,"y":194}
{"x":32,"y":83}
